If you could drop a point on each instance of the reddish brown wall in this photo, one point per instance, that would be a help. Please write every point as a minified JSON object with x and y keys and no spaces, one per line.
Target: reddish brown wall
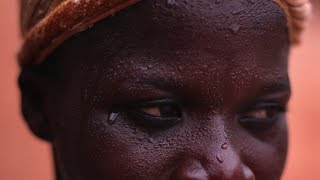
{"x":23,"y":157}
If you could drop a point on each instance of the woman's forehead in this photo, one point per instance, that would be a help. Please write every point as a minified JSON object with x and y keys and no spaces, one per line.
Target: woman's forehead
{"x":220,"y":29}
{"x":182,"y":22}
{"x":227,"y":40}
{"x":65,"y":18}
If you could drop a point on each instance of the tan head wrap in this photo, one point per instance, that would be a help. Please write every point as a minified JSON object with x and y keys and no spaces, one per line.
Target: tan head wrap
{"x":45,"y":24}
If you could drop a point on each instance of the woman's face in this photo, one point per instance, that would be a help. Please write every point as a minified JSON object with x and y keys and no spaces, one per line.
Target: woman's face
{"x":173,"y":89}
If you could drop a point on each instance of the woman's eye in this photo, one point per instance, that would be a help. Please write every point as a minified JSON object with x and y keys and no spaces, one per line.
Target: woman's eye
{"x":257,"y":114}
{"x":263,"y":114}
{"x":157,"y":114}
{"x":166,"y":111}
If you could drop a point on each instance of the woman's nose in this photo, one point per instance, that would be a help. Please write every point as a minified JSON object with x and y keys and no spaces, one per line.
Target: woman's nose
{"x":226,"y":165}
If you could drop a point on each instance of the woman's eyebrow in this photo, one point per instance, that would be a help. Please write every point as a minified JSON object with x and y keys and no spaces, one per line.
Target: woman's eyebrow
{"x":275,"y":89}
{"x":162,"y":82}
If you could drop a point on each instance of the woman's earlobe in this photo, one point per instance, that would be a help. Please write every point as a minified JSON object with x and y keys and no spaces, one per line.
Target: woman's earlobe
{"x":32,"y":103}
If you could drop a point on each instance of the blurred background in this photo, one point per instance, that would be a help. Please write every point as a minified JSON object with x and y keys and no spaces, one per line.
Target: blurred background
{"x":24,"y":157}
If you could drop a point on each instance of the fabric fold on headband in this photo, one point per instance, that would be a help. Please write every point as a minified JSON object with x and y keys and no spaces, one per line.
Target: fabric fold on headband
{"x":45,"y":24}
{"x":298,"y":13}
{"x":63,"y":21}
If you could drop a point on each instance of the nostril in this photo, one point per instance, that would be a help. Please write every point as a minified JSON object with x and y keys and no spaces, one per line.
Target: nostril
{"x":190,"y":170}
{"x":248,"y":173}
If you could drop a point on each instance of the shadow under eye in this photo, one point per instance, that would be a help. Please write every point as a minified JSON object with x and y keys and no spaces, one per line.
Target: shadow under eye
{"x":258,"y":123}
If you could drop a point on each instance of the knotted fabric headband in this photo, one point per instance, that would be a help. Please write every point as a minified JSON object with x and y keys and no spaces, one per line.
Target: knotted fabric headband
{"x":45,"y":24}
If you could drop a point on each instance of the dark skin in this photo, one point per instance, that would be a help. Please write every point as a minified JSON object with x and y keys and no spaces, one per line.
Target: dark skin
{"x":195,"y":90}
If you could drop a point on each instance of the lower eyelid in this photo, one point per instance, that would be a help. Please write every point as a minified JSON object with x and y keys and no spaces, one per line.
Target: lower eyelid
{"x":254,"y":124}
